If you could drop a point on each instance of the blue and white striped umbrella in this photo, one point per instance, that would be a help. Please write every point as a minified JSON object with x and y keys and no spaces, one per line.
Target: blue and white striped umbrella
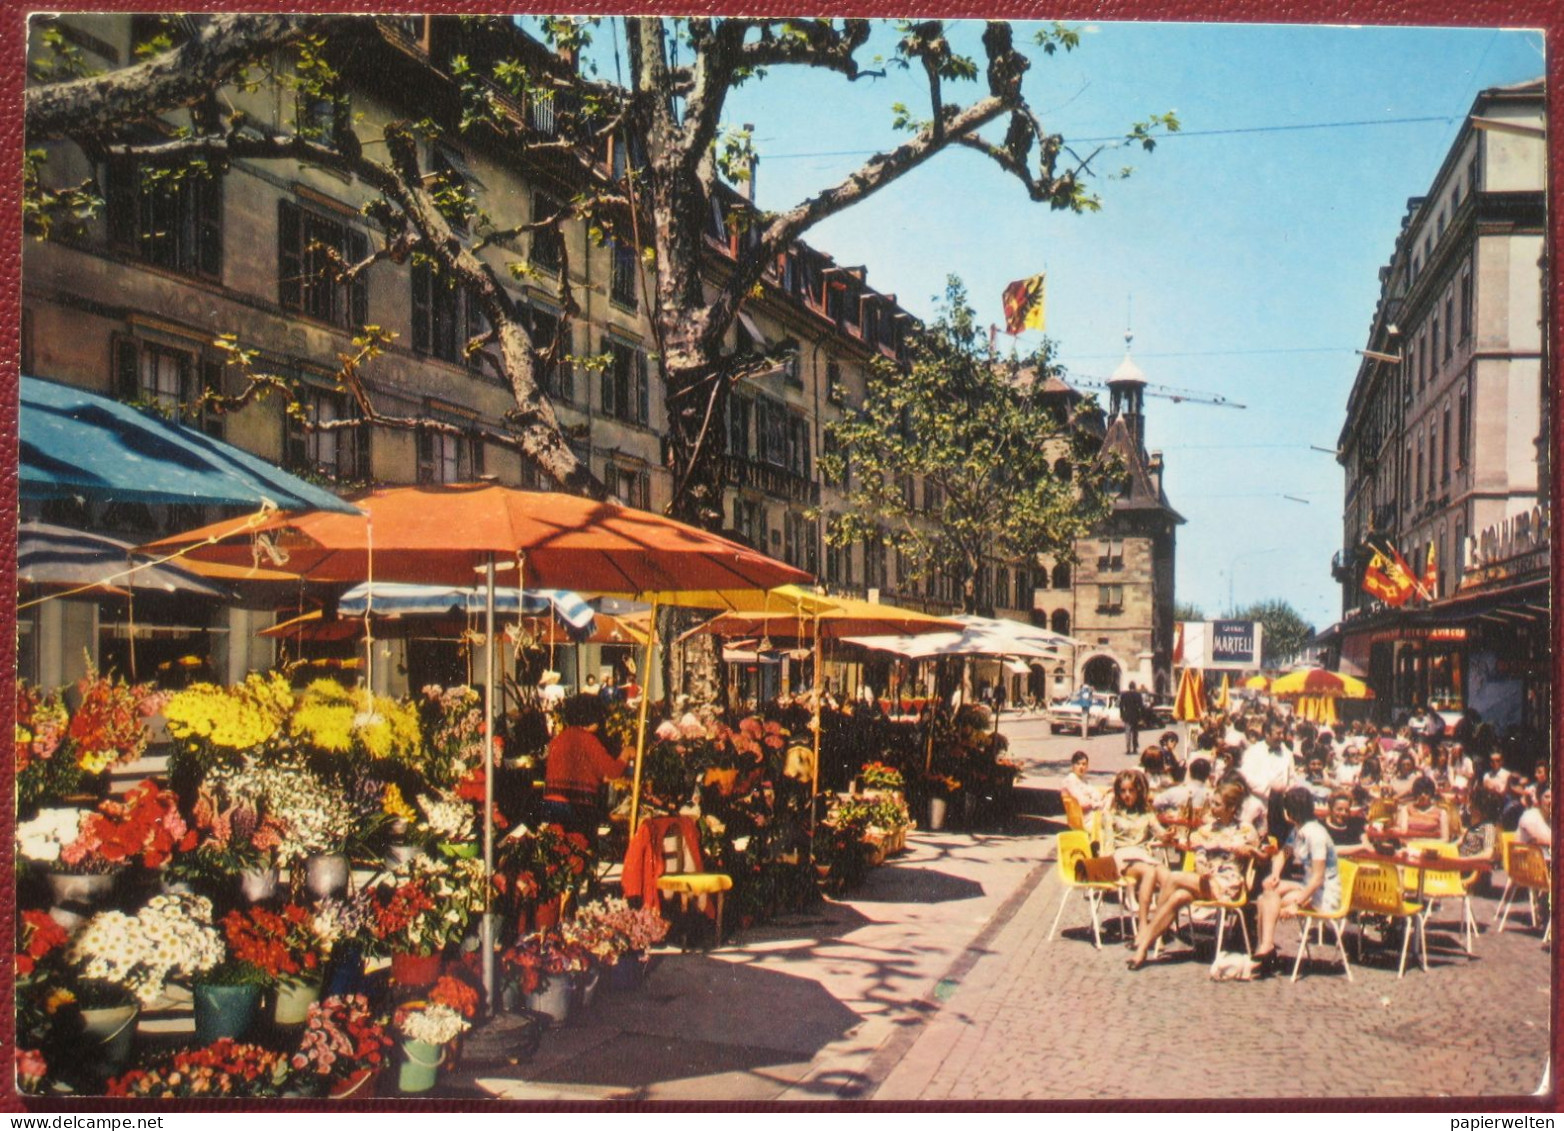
{"x":400,"y":599}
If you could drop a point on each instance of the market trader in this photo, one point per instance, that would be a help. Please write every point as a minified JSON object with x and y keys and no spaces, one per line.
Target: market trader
{"x":578,"y":765}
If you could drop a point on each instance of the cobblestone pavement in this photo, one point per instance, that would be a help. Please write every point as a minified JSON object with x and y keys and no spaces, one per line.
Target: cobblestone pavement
{"x":934,"y":982}
{"x":1041,"y":1020}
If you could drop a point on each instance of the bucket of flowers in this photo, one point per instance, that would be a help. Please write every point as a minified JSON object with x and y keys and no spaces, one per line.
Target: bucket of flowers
{"x":536,"y":867}
{"x":343,"y":1049}
{"x":428,"y":1027}
{"x":225,"y":1068}
{"x":238,"y":838}
{"x":635,"y":930}
{"x":283,"y":947}
{"x":538,"y":970}
{"x":122,"y":962}
{"x":48,"y":1024}
{"x":418,"y":909}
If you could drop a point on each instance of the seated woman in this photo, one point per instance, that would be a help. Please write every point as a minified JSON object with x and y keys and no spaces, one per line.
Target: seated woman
{"x":1405,"y":776}
{"x":1155,"y":767}
{"x":1346,"y":830}
{"x":1369,"y":784}
{"x":1311,"y":848}
{"x":1481,"y":841}
{"x":1221,"y":846}
{"x":1421,"y":817}
{"x":1130,"y":829}
{"x":1088,"y":796}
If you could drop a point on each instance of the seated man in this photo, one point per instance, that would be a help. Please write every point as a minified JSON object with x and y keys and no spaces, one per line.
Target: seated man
{"x":1090,"y":797}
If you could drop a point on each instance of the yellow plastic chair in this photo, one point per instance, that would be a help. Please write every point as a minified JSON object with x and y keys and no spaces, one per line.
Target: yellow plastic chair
{"x":1314,"y":921}
{"x":1072,"y":812}
{"x":1506,"y":840}
{"x":1438,"y":885}
{"x":1073,"y":848}
{"x":1380,"y":809}
{"x":1528,"y":870}
{"x":1376,"y":890}
{"x":1222,"y":908}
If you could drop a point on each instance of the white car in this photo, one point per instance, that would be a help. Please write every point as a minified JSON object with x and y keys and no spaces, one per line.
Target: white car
{"x":1101,"y":715}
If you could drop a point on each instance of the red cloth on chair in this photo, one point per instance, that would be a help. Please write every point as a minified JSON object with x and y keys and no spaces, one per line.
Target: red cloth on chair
{"x":644,"y":863}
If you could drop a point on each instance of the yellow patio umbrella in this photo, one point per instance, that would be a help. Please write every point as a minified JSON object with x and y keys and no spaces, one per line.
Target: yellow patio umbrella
{"x":1190,"y":704}
{"x":1257,"y":683}
{"x":1318,"y":681}
{"x":1222,"y":699}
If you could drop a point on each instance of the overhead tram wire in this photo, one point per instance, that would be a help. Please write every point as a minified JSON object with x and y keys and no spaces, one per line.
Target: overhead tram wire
{"x":1291,"y":128}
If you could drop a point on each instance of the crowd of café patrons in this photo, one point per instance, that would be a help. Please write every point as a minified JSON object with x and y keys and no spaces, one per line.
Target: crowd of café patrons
{"x":1271,"y":802}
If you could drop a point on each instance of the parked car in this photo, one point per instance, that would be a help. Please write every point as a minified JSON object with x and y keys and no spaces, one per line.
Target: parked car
{"x":1100,"y":707}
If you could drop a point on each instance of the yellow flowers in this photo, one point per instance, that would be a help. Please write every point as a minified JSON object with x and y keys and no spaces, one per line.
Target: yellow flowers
{"x":395,"y":805}
{"x":237,"y":718}
{"x":391,"y":730}
{"x":325,"y":716}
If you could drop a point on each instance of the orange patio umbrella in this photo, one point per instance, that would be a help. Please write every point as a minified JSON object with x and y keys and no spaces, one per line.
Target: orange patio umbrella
{"x":445,"y":533}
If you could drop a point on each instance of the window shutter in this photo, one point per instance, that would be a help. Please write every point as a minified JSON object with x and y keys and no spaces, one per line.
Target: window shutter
{"x":358,"y":289}
{"x":609,"y":371}
{"x":119,"y":195}
{"x":421,"y":306}
{"x":211,"y":381}
{"x":127,"y":376}
{"x":290,"y":262}
{"x":641,"y":393}
{"x":209,"y":225}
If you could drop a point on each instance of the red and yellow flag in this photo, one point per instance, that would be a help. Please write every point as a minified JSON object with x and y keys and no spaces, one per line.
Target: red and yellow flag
{"x":1389,"y":578}
{"x":1431,"y":573}
{"x":1024,"y":300}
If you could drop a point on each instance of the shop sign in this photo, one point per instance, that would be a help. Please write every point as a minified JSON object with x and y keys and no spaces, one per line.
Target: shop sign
{"x":1445,"y":633}
{"x":1518,"y":535}
{"x":1235,"y":643}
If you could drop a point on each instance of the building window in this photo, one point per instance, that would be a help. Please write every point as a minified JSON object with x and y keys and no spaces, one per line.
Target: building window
{"x":1112,"y":557}
{"x":1449,"y":326}
{"x":444,"y":316}
{"x":622,"y":280}
{"x":1062,"y":575}
{"x":448,"y":457}
{"x":1002,"y":588}
{"x":168,"y":379}
{"x":624,"y":385}
{"x":1063,"y":470}
{"x":835,"y":391}
{"x":1060,"y":622}
{"x":1433,"y":459}
{"x":631,"y":486}
{"x":874,"y":574}
{"x":167,"y":220}
{"x":798,"y":541}
{"x":739,"y":412}
{"x":312,"y":250}
{"x":323,"y":116}
{"x":548,"y":244}
{"x":749,"y":522}
{"x":839,"y":565}
{"x":1422,"y":360}
{"x":1417,"y":477}
{"x":771,"y":433}
{"x":1433,"y":348}
{"x":1110,"y":598}
{"x":1407,"y":478}
{"x":798,"y":445}
{"x":558,"y":377}
{"x":339,"y":453}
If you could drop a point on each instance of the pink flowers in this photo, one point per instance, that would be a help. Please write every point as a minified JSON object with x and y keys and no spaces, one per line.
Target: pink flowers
{"x":146,"y":824}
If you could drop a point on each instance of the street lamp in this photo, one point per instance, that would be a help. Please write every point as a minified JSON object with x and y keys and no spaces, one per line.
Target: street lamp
{"x":1232,"y":564}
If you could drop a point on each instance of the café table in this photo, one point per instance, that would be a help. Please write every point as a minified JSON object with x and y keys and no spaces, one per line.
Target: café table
{"x":1423,"y":861}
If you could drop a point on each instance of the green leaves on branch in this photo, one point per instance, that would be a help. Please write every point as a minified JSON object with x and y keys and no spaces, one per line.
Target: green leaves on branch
{"x":1052,"y":39}
{"x":952,"y":458}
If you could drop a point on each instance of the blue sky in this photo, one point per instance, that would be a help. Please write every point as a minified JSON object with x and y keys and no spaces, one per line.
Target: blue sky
{"x":1250,"y":258}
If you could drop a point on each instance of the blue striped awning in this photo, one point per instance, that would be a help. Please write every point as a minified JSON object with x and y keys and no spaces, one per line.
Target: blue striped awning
{"x":397,"y":599}
{"x":76,"y":444}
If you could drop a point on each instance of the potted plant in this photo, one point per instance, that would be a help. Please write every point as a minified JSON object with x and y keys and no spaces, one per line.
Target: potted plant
{"x":879,"y":776}
{"x":226,"y":999}
{"x":539,"y":966}
{"x":415,"y":911}
{"x":633,"y":931}
{"x":122,"y":962}
{"x":535,"y":868}
{"x":224,"y":1068}
{"x":343,"y":1048}
{"x":238,"y":839}
{"x":428,"y":1027}
{"x":285,"y":949}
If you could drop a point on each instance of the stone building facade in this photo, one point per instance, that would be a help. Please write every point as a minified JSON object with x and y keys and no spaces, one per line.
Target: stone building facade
{"x":1443,"y":445}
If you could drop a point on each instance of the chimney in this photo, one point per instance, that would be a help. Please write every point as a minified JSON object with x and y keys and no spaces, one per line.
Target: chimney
{"x":1154,"y":469}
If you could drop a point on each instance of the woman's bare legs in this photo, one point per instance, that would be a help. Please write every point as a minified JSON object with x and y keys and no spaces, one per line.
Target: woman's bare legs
{"x":1175,"y":890}
{"x":1269,"y":908}
{"x":1144,"y":877}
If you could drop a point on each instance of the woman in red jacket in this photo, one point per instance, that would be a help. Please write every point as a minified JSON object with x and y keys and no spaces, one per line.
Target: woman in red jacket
{"x":578,"y":765}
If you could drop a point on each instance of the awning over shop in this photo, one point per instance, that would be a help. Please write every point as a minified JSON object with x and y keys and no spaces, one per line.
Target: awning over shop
{"x":76,"y":444}
{"x":390,"y":598}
